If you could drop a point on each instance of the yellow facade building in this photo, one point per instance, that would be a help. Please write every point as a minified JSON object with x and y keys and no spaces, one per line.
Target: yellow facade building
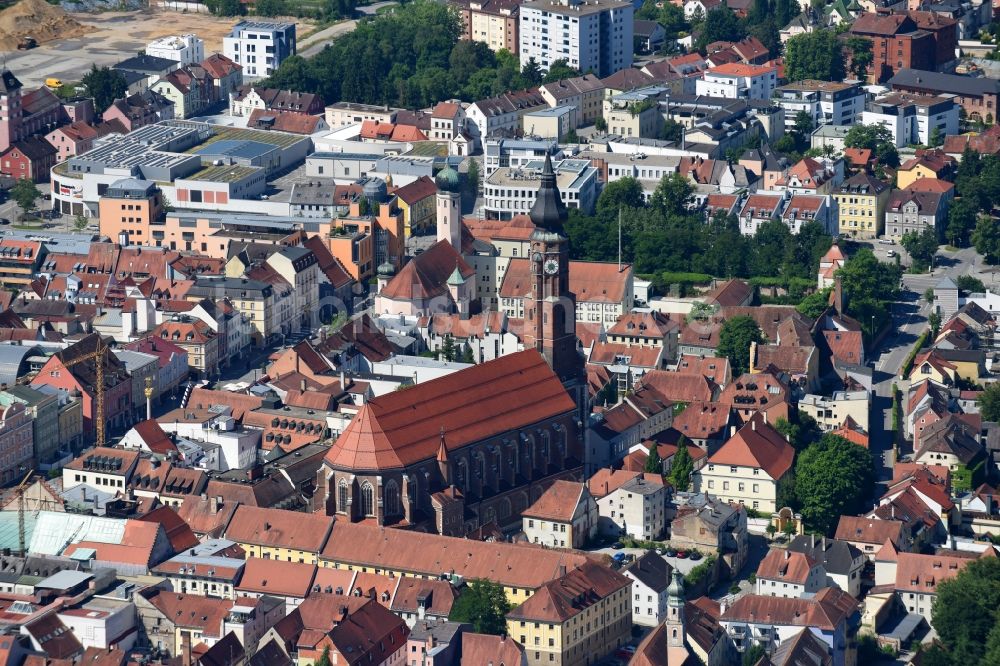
{"x":861,"y":202}
{"x":575,"y":619}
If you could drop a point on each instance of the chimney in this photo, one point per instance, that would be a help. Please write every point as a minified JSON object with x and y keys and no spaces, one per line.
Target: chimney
{"x":788,"y":554}
{"x":813,"y":541}
{"x":186,"y":648}
{"x":753,"y":423}
{"x":838,"y":294}
{"x":216,"y":502}
{"x":562,"y":570}
{"x":302,"y":385}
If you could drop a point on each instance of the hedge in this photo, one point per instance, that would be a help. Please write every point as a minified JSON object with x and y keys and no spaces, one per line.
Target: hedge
{"x":917,"y":346}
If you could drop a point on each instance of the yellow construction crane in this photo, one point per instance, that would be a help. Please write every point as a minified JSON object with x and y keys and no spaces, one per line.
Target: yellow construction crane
{"x":19,"y":491}
{"x":98,"y":357}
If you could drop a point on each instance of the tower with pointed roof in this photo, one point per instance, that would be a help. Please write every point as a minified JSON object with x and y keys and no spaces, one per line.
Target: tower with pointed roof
{"x":550,"y":309}
{"x":675,"y":611}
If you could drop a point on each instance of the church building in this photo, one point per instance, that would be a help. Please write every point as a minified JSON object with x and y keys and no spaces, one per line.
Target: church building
{"x":478,"y":446}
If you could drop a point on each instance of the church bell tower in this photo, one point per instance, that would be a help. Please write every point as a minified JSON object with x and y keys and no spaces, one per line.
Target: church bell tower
{"x":550,"y":309}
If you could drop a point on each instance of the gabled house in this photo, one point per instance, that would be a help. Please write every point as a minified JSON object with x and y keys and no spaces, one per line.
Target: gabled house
{"x":787,"y":573}
{"x":565,"y":516}
{"x":842,"y":562}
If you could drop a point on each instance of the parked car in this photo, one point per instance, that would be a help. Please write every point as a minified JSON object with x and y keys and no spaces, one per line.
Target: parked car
{"x":890,"y":254}
{"x":694,"y":556}
{"x":4,"y":220}
{"x":670,"y":552}
{"x":619,"y":558}
{"x":617,"y":545}
{"x":682,"y":554}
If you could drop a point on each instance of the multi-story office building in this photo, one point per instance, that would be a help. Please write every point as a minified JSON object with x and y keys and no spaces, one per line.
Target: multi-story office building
{"x":590,"y":36}
{"x":259,"y":46}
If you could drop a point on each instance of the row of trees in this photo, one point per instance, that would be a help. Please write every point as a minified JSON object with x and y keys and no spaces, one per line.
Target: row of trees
{"x":664,"y":235}
{"x":412,"y":58}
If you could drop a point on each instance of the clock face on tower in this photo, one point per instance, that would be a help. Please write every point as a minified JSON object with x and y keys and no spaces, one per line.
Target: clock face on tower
{"x":551,"y":267}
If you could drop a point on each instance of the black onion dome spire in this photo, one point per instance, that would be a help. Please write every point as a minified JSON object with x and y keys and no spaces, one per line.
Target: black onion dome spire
{"x":548,"y":211}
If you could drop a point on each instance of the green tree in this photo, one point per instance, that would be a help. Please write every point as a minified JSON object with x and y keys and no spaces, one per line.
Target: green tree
{"x":753,"y":655}
{"x":721,"y":25}
{"x":875,"y":137}
{"x":672,"y":194}
{"x":467,"y":356}
{"x":803,"y":123}
{"x":622,"y":193}
{"x":104,"y":85}
{"x":965,"y":613}
{"x":869,"y":285}
{"x":970,"y":284}
{"x":25,"y":194}
{"x":531,"y":72}
{"x":560,"y":70}
{"x":961,"y":221}
{"x":682,"y":467}
{"x":814,"y":55}
{"x":934,"y":321}
{"x":473,"y":177}
{"x":324,"y":659}
{"x":600,"y":124}
{"x":654,"y":464}
{"x":671,"y":131}
{"x":734,"y":342}
{"x":986,"y":239}
{"x":815,"y":304}
{"x":921,"y":247}
{"x":833,"y":477}
{"x":484,"y":605}
{"x":447,"y":352}
{"x":468,"y":57}
{"x":989,"y":402}
{"x":861,"y":56}
{"x":80,"y":223}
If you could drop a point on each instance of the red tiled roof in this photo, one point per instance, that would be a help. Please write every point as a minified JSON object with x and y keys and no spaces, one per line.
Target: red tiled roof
{"x":605,"y":481}
{"x":278,"y":528}
{"x":600,"y":282}
{"x":277,"y":577}
{"x":786,"y":565}
{"x":923,"y":573}
{"x":713,"y":368}
{"x":559,"y":502}
{"x":400,"y":428}
{"x":757,"y":444}
{"x":563,"y":598}
{"x":154,"y":437}
{"x":868,"y":530}
{"x":678,"y":386}
{"x":418,"y":190}
{"x":426,"y":275}
{"x":740,"y":69}
{"x":826,"y":611}
{"x":509,"y":564}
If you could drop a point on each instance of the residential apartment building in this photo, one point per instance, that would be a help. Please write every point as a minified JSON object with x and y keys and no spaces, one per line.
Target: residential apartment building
{"x":630,"y":503}
{"x":790,"y":574}
{"x":43,"y":411}
{"x":559,"y":625}
{"x":511,"y":191}
{"x":594,"y":36}
{"x":492,"y":22}
{"x":979,"y":96}
{"x":711,"y":525}
{"x":738,"y":81}
{"x":197,"y":338}
{"x":502,"y":114}
{"x":586,"y":93}
{"x":831,"y":412}
{"x":914,"y":118}
{"x":650,"y":576}
{"x":635,"y":113}
{"x":842,"y":562}
{"x":17,"y":444}
{"x":749,"y":468}
{"x":861,"y":203}
{"x":183,"y":49}
{"x":831,"y":616}
{"x":826,"y":102}
{"x":259,"y":46}
{"x":565,"y":516}
{"x":911,"y":211}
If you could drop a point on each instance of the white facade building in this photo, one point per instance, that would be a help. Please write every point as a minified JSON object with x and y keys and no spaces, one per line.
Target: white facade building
{"x":650,"y":576}
{"x":510,"y":191}
{"x":913,"y":119}
{"x":826,"y":102}
{"x":738,"y":81}
{"x":259,"y":46}
{"x":185,"y":49}
{"x":590,"y":36}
